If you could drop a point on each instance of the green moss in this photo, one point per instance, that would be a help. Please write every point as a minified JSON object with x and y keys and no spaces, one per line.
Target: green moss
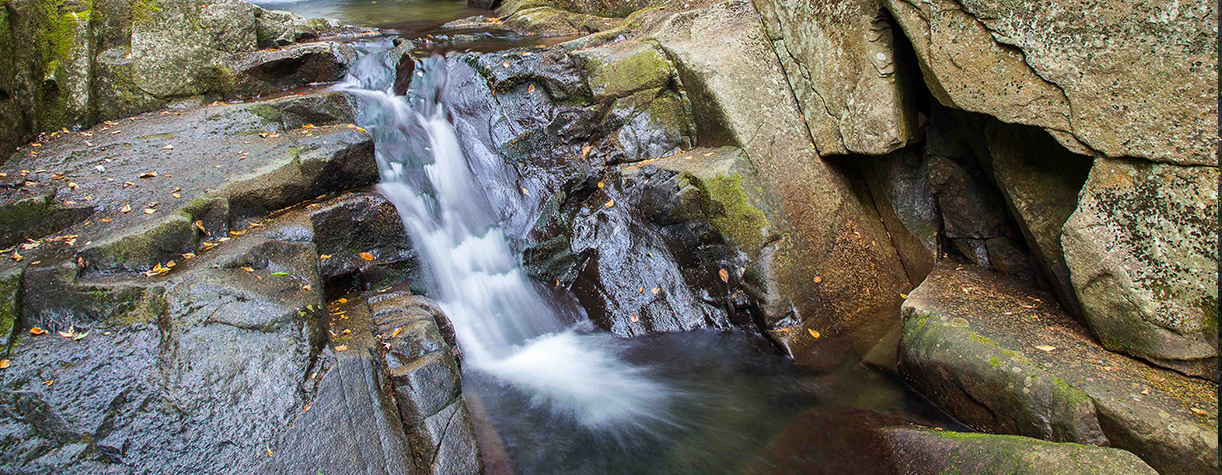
{"x":10,"y":299}
{"x":143,"y":10}
{"x":643,"y":69}
{"x":995,"y":361}
{"x":729,"y":209}
{"x":148,"y":308}
{"x":978,"y":338}
{"x":265,"y":112}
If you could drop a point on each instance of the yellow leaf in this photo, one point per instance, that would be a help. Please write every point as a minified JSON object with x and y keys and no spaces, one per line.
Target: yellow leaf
{"x":269,"y":451}
{"x":72,"y":185}
{"x":818,"y":279}
{"x":236,"y":233}
{"x":189,"y":255}
{"x":506,"y":64}
{"x":366,"y":256}
{"x":600,"y":184}
{"x":903,"y":296}
{"x":725,"y":275}
{"x":1045,"y":348}
{"x":396,"y":332}
{"x":525,"y":192}
{"x":1198,"y":411}
{"x":342,"y":300}
{"x":813,"y":333}
{"x":324,"y":256}
{"x":531,"y":90}
{"x":48,"y":382}
{"x":305,"y":287}
{"x":5,"y":363}
{"x":247,"y":269}
{"x":308,"y":126}
{"x":125,"y":209}
{"x":148,"y":175}
{"x":149,"y":211}
{"x":176,"y":195}
{"x":37,"y":331}
{"x":609,"y":204}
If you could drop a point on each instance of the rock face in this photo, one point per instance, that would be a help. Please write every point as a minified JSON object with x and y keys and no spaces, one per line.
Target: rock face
{"x":1142,"y":251}
{"x":75,"y":64}
{"x":832,"y":272}
{"x":1068,"y":69}
{"x":841,"y":62}
{"x":998,"y":355}
{"x":204,"y":313}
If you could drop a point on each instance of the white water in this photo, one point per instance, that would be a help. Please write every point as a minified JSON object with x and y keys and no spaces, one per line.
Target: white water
{"x":506,"y":324}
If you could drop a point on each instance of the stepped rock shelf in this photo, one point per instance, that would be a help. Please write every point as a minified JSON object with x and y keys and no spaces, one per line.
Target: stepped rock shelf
{"x":847,"y":236}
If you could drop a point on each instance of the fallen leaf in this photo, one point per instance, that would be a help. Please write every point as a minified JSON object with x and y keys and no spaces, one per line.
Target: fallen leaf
{"x":148,"y":175}
{"x":129,"y":183}
{"x":72,"y":185}
{"x":80,"y":336}
{"x":1045,"y":348}
{"x":189,"y":255}
{"x":168,"y":147}
{"x":341,"y":347}
{"x":247,"y":269}
{"x":600,"y":184}
{"x":725,"y":275}
{"x":506,"y":64}
{"x":269,"y":451}
{"x":655,"y":290}
{"x":609,"y":204}
{"x":324,"y":256}
{"x":236,"y":233}
{"x":342,"y":300}
{"x":37,"y":331}
{"x":70,"y":333}
{"x":585,"y":151}
{"x":176,"y":195}
{"x":1198,"y":411}
{"x":17,"y":257}
{"x":305,"y":287}
{"x":200,"y":226}
{"x":366,"y":256}
{"x":48,"y":382}
{"x":125,"y":209}
{"x":813,"y":333}
{"x":308,"y":126}
{"x":30,"y":245}
{"x":397,"y":331}
{"x":818,"y":279}
{"x":149,"y":211}
{"x":280,"y":273}
{"x":635,"y":318}
{"x":1145,"y":391}
{"x":525,"y":192}
{"x":5,"y":363}
{"x":531,"y":89}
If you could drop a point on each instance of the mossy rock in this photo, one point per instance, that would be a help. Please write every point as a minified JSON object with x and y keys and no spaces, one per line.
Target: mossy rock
{"x":624,"y":72}
{"x":928,"y":451}
{"x":144,"y":247}
{"x":36,"y":217}
{"x":10,"y":303}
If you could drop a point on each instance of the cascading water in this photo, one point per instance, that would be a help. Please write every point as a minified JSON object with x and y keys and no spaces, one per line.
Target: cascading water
{"x":506,"y":325}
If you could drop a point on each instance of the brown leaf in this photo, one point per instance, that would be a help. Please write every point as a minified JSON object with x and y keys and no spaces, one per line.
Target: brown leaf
{"x":366,"y":256}
{"x":725,"y":275}
{"x":37,"y":331}
{"x":635,"y":318}
{"x":148,"y":175}
{"x":341,"y":347}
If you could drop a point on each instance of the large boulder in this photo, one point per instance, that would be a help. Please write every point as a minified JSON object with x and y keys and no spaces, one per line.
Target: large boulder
{"x":846,"y":73}
{"x":927,"y":451}
{"x":1070,"y":70}
{"x":1000,"y":355}
{"x":1142,"y":250}
{"x":831,"y":282}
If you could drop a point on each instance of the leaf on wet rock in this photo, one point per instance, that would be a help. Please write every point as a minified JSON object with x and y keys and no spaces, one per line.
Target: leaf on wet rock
{"x":725,"y":275}
{"x":37,"y":331}
{"x":149,"y":211}
{"x":248,"y":269}
{"x":200,"y":226}
{"x":126,"y":209}
{"x":813,"y":334}
{"x":366,"y":256}
{"x":1045,"y":348}
{"x":609,"y":204}
{"x":70,"y":333}
{"x":16,"y":257}
{"x":4,"y":364}
{"x":655,"y":290}
{"x":280,"y":273}
{"x":397,"y":331}
{"x":168,"y":147}
{"x":148,"y":175}
{"x":72,"y":185}
{"x":635,"y":318}
{"x":341,"y":348}
{"x":189,"y":255}
{"x":324,"y":256}
{"x":269,"y":451}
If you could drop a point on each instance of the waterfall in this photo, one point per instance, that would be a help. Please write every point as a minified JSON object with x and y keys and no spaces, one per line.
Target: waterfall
{"x":507,"y":325}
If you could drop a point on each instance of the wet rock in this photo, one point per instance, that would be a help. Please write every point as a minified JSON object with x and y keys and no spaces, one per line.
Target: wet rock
{"x":299,"y":64}
{"x":1013,"y":63}
{"x":1143,"y":258}
{"x":999,"y":355}
{"x":927,"y":451}
{"x":10,"y":303}
{"x":1040,"y":180}
{"x":364,"y":222}
{"x":900,"y":187}
{"x":738,"y":93}
{"x":144,"y":246}
{"x":843,"y":66}
{"x":426,"y":383}
{"x":548,"y":21}
{"x":605,"y":8}
{"x":25,"y":218}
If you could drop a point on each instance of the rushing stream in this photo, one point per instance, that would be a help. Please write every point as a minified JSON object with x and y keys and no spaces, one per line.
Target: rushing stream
{"x":560,"y":396}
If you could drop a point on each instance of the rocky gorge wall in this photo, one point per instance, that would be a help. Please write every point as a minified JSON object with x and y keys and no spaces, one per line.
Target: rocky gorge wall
{"x":987,"y":200}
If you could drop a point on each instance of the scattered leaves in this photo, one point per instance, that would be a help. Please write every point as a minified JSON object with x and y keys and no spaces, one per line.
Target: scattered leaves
{"x":366,"y":256}
{"x":725,"y":275}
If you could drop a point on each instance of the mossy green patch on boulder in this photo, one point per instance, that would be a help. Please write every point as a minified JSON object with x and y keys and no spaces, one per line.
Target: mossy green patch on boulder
{"x":35,"y":217}
{"x":624,"y":72}
{"x":10,"y":302}
{"x":143,"y":247}
{"x":929,"y":451}
{"x":1001,"y":356}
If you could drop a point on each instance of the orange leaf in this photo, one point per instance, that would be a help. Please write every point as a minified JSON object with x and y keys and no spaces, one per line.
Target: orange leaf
{"x":37,"y":331}
{"x":341,"y":347}
{"x":813,"y":333}
{"x":366,"y":256}
{"x":609,"y":204}
{"x":247,"y":269}
{"x":5,"y":363}
{"x":126,"y":209}
{"x":725,"y":275}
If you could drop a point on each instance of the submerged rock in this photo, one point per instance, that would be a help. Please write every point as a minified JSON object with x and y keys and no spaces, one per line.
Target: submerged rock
{"x":1142,"y":251}
{"x":1002,"y":357}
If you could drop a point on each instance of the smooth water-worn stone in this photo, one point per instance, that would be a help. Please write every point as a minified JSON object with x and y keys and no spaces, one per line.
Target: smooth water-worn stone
{"x":1001,"y":356}
{"x":1069,"y":69}
{"x":842,"y":63}
{"x":927,"y":451}
{"x":833,"y":273}
{"x":1143,"y":256}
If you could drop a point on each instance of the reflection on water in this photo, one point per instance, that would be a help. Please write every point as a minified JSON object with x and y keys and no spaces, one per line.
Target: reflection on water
{"x":736,"y":408}
{"x":410,"y":17}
